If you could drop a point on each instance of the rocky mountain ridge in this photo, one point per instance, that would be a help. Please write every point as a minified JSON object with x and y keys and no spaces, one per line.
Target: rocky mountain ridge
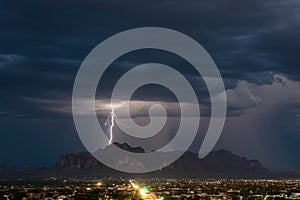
{"x":217,"y":164}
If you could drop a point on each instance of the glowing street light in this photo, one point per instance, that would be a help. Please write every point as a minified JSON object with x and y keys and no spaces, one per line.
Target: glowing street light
{"x":99,"y":184}
{"x":143,"y":191}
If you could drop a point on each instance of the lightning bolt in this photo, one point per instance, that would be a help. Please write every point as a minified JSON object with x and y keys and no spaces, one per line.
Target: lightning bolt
{"x":110,"y":122}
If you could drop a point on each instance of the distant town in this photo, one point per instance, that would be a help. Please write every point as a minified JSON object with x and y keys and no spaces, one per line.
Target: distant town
{"x":158,"y":189}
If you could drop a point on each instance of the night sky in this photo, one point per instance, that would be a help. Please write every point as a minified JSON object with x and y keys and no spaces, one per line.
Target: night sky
{"x":255,"y":45}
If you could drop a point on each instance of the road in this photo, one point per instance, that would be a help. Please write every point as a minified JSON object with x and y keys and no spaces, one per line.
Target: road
{"x":144,"y":193}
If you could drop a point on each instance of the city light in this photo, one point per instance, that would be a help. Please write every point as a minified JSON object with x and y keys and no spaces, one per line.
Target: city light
{"x":156,"y":189}
{"x":99,"y":184}
{"x":143,"y":191}
{"x":133,"y":185}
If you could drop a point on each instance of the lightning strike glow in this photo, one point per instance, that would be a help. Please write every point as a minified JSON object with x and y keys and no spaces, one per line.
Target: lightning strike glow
{"x":110,"y":122}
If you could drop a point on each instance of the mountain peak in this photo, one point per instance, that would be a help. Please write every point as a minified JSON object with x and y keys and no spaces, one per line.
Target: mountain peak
{"x":129,"y":148}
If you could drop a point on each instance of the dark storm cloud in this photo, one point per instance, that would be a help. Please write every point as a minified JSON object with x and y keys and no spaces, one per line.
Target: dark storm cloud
{"x":248,"y":40}
{"x":241,"y":36}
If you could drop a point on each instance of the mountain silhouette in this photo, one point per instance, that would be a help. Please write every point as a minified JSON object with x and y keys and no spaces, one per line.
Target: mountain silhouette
{"x":217,"y":164}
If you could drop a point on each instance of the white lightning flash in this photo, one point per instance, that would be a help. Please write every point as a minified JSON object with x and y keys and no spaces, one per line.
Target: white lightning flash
{"x":110,"y":122}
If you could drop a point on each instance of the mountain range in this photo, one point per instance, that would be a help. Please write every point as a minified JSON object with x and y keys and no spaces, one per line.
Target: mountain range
{"x":217,"y":164}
